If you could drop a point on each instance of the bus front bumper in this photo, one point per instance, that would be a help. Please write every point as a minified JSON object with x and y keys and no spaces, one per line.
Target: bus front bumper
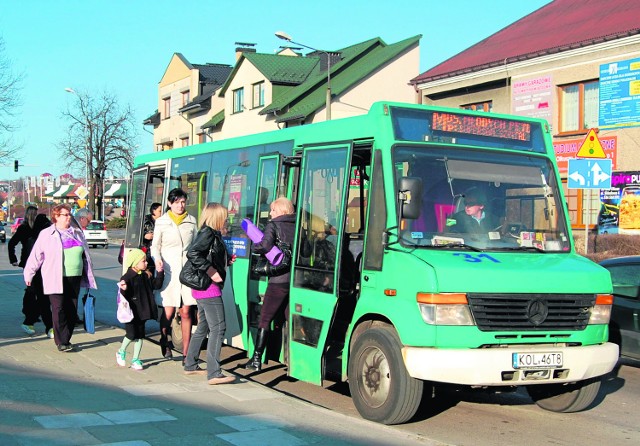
{"x":499,"y":366}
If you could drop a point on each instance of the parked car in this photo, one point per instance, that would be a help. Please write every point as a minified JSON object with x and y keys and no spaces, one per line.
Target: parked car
{"x":96,"y":234}
{"x":624,"y":328}
{"x":3,"y":233}
{"x":17,"y":222}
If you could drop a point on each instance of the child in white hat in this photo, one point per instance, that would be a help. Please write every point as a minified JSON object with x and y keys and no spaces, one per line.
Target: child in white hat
{"x":137,"y":287}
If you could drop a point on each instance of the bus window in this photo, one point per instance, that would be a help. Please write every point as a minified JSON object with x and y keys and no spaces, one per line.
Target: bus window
{"x":188,"y":175}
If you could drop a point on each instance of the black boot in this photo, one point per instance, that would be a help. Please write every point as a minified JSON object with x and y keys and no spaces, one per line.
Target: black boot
{"x":255,"y":362}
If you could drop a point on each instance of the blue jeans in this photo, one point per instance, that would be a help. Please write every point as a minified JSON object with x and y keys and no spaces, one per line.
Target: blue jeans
{"x":211,"y":321}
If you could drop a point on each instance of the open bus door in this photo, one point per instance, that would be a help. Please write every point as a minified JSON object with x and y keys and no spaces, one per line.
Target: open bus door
{"x":147,"y":186}
{"x":324,"y":179}
{"x":136,"y":202}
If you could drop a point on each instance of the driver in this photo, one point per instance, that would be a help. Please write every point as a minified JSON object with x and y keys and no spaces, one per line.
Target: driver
{"x":474,"y":218}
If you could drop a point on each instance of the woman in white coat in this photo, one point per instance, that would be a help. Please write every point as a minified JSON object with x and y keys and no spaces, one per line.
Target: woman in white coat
{"x":172,"y":237}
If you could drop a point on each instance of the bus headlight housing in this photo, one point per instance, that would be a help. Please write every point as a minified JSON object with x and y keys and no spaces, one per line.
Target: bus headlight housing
{"x":444,"y":309}
{"x":601,"y":311}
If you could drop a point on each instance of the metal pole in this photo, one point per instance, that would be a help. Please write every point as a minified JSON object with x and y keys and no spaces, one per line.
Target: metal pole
{"x":586,"y":224}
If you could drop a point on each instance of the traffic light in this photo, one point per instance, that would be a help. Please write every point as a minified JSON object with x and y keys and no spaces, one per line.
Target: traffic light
{"x":15,"y":166}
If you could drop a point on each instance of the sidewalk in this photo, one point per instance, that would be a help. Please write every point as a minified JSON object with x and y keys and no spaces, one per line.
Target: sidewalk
{"x":83,"y":398}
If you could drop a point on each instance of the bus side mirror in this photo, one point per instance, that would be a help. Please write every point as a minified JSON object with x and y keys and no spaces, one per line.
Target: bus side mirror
{"x":410,"y":197}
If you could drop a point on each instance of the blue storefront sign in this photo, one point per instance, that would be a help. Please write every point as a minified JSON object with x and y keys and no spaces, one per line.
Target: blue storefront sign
{"x":620,"y":94}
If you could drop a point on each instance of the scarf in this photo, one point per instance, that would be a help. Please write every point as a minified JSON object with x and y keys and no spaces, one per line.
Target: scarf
{"x":68,"y":237}
{"x":177,"y":219}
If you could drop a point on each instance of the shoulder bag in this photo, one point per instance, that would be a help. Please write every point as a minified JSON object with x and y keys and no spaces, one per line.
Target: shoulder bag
{"x":195,"y":278}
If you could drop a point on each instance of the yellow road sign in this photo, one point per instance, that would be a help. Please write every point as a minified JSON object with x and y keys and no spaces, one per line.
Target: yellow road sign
{"x":591,"y":147}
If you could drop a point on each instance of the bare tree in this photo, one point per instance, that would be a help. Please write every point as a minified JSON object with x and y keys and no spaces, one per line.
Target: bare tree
{"x":101,"y":139}
{"x":10,"y":101}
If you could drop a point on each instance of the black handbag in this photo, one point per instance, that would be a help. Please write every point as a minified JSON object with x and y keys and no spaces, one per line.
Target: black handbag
{"x":194,"y":278}
{"x":262,"y":266}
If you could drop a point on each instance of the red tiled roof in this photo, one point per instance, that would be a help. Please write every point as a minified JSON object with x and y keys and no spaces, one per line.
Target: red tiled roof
{"x":559,"y":26}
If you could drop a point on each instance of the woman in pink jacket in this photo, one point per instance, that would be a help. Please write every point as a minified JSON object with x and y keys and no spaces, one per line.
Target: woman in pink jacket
{"x":61,"y":254}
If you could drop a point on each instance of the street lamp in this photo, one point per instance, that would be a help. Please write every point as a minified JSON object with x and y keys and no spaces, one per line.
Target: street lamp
{"x":284,"y":36}
{"x":86,"y":157}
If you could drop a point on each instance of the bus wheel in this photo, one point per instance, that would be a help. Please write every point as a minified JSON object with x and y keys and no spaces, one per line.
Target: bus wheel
{"x":381,"y":388}
{"x":565,"y":397}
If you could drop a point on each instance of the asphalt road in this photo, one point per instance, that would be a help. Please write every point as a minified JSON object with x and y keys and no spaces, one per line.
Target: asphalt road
{"x":449,"y":414}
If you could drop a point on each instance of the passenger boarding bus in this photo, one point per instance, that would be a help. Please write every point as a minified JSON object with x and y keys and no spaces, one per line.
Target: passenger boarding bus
{"x":450,"y":254}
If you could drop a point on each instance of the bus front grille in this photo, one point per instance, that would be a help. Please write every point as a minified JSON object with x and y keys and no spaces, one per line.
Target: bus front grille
{"x":530,"y":312}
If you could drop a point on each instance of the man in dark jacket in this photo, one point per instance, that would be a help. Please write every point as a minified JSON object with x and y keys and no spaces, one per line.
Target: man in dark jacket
{"x":474,"y":219}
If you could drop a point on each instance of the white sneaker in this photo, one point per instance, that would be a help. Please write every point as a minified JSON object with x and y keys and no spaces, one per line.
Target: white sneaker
{"x":50,"y":334}
{"x":28,"y":329}
{"x":120,"y":358}
{"x":136,"y":364}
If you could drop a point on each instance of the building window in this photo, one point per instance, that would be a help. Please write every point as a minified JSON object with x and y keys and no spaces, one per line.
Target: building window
{"x":184,"y":142}
{"x":486,"y":106}
{"x":579,"y":107}
{"x":185,"y":97}
{"x":238,"y":100}
{"x":166,"y":102}
{"x":202,"y":137}
{"x":258,"y":95}
{"x":578,"y":200}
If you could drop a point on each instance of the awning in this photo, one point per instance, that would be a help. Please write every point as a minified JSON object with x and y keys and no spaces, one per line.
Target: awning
{"x":116,"y":190}
{"x":62,"y":192}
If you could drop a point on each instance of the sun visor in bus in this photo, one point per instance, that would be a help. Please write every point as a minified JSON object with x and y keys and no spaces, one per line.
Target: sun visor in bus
{"x":473,"y":170}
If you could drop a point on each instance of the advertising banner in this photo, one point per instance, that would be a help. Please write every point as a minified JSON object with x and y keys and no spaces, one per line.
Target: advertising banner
{"x":620,"y":206}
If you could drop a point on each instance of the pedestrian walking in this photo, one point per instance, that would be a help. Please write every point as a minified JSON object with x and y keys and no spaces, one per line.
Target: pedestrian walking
{"x":137,"y":285}
{"x":172,"y":236}
{"x":35,"y":304}
{"x":62,"y":254}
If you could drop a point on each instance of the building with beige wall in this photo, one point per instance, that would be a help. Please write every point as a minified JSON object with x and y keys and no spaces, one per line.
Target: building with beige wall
{"x":549,"y":65}
{"x":265,"y":92}
{"x":186,"y":100}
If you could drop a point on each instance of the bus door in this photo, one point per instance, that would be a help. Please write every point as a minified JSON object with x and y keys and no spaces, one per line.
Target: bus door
{"x":269,"y":168}
{"x":147,"y":186}
{"x":320,"y":216}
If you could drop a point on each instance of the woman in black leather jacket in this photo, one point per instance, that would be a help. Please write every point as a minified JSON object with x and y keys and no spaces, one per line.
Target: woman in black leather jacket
{"x":208,"y":253}
{"x":276,"y":298}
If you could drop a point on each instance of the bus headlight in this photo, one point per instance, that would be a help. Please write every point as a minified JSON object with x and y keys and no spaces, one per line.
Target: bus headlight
{"x":444,"y":309}
{"x":601,"y":311}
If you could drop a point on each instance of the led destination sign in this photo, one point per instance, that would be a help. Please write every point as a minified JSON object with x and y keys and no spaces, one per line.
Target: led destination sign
{"x":482,"y":126}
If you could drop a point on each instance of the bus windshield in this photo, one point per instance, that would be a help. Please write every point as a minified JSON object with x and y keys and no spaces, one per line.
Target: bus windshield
{"x":470,"y":200}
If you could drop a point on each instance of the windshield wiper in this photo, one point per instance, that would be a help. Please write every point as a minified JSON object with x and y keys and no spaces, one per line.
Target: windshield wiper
{"x":455,"y":245}
{"x":522,"y":248}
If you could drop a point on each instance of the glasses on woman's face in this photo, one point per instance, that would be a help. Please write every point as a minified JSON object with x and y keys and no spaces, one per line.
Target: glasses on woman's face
{"x":64,"y":215}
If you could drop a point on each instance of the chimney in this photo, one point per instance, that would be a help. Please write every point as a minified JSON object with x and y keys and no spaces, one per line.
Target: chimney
{"x":244,"y":47}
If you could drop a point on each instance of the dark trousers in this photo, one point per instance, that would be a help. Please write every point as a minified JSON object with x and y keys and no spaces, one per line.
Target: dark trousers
{"x":64,"y":310}
{"x":275,"y":305}
{"x":35,"y":304}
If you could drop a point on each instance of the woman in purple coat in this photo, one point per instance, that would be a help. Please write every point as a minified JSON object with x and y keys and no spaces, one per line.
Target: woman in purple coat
{"x":61,"y":254}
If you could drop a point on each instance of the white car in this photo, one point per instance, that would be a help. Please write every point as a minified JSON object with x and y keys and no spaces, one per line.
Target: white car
{"x":96,"y":234}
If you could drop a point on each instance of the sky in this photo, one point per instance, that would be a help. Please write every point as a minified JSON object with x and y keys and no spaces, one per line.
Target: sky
{"x":123,"y":47}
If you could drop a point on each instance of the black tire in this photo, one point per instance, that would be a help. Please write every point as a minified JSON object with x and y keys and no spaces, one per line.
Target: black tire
{"x":565,"y":398}
{"x":381,"y":388}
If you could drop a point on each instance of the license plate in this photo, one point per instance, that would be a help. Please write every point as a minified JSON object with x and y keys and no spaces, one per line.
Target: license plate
{"x":538,"y":360}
